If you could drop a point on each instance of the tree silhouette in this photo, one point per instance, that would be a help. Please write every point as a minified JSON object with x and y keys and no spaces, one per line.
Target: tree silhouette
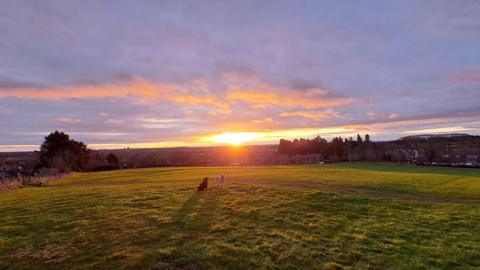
{"x":64,"y":154}
{"x":367,"y":138}
{"x":359,"y":139}
{"x":112,"y":160}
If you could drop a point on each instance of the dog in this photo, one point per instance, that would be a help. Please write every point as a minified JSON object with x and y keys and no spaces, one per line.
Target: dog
{"x":203,"y":185}
{"x":220,"y":179}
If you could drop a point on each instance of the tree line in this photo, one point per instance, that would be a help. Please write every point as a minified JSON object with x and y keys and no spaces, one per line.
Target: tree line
{"x":64,"y":154}
{"x":444,"y":149}
{"x":338,"y":149}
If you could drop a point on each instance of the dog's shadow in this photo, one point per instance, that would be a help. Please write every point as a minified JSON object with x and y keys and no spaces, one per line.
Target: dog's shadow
{"x":203,"y":204}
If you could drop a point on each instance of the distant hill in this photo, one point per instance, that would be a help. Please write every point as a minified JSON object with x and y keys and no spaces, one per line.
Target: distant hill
{"x":439,"y":136}
{"x":455,"y":149}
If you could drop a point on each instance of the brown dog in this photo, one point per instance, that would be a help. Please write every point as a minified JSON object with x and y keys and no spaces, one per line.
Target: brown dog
{"x":203,"y":185}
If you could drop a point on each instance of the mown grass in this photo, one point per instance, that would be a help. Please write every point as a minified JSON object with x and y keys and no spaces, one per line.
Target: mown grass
{"x":359,"y":216}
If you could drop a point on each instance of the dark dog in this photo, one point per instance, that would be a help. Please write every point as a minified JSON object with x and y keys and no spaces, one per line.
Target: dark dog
{"x":203,"y":185}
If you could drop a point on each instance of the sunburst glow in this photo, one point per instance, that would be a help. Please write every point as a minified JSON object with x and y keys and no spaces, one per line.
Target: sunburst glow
{"x":234,"y":138}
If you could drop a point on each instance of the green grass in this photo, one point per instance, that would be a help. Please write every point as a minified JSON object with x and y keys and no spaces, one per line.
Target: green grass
{"x":358,"y":216}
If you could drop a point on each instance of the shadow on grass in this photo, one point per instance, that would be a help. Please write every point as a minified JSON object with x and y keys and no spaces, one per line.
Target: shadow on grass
{"x":197,"y":210}
{"x":180,"y":217}
{"x":186,"y":234}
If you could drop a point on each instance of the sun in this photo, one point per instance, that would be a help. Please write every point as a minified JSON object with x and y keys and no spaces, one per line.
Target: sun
{"x":234,"y":138}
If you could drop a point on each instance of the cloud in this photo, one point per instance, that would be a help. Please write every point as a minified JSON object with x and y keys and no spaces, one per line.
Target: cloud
{"x":309,"y":99}
{"x":204,"y":62}
{"x":267,"y":120}
{"x":67,"y":120}
{"x":372,"y":115}
{"x":216,"y":112}
{"x":114,"y":121}
{"x":140,"y":145}
{"x":315,"y":115}
{"x":163,"y":123}
{"x":158,"y":126}
{"x":5,"y":111}
{"x":465,"y":76}
{"x":379,"y":116}
{"x":136,"y":87}
{"x":163,"y":120}
{"x":219,"y":97}
{"x":450,"y":129}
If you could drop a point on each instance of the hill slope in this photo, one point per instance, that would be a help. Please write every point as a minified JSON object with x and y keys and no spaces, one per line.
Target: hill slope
{"x":375,"y":216}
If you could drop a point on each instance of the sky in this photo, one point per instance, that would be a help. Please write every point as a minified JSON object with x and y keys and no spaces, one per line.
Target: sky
{"x":145,"y":73}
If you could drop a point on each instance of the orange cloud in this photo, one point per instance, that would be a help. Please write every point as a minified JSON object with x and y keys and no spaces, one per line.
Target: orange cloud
{"x":267,"y":120}
{"x":253,"y":90}
{"x":249,"y":89}
{"x":137,"y":87}
{"x":286,"y":98}
{"x":264,"y":96}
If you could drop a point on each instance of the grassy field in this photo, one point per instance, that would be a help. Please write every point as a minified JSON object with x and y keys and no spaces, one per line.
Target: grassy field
{"x":352,"y":216}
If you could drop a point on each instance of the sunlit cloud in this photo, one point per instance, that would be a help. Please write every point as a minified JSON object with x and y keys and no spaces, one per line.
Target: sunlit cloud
{"x":163,"y":120}
{"x":219,"y":112}
{"x":255,"y":91}
{"x":97,"y":134}
{"x":454,"y":129}
{"x":159,"y":125}
{"x":163,"y":123}
{"x":372,"y":115}
{"x":267,"y":120}
{"x":18,"y":147}
{"x":67,"y":120}
{"x":137,"y":145}
{"x":314,"y":115}
{"x":306,"y":99}
{"x":114,"y":121}
{"x":134,"y":87}
{"x":258,"y":94}
{"x":381,"y":116}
